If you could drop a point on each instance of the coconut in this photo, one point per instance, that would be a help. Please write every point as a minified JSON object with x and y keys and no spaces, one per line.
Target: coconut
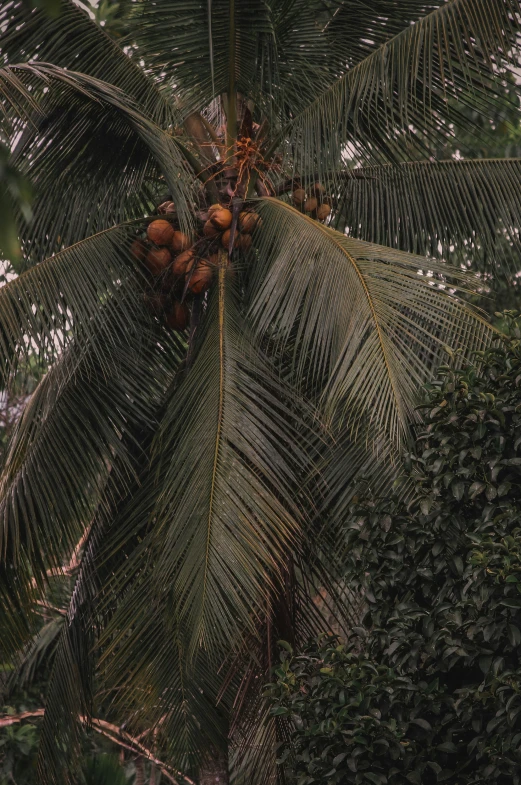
{"x":323,"y":211}
{"x":249,"y":221}
{"x":158,"y":260}
{"x":299,"y":196}
{"x":183,"y":262}
{"x":160,"y":232}
{"x":310,"y":205}
{"x":200,"y":279}
{"x":213,"y":209}
{"x":180,"y":242}
{"x":318,"y":189}
{"x":245,"y":242}
{"x":209,"y":230}
{"x":138,"y":249}
{"x":221,"y":218}
{"x":225,"y":239}
{"x":179,"y":317}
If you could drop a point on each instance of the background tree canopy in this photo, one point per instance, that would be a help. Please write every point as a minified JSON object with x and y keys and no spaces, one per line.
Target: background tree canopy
{"x":234,"y":275}
{"x":427,"y":688}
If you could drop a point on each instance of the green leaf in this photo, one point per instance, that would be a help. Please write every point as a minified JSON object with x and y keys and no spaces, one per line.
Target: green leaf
{"x":514,"y":635}
{"x":436,"y":198}
{"x":411,"y":90}
{"x":447,"y":746}
{"x":422,"y":723}
{"x":458,"y":489}
{"x":365,"y":352}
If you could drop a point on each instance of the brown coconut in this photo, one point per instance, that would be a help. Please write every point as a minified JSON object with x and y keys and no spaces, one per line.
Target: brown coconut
{"x":310,"y":205}
{"x":200,"y":279}
{"x":180,"y":242}
{"x":179,"y":317}
{"x":225,"y":239}
{"x":299,"y":196}
{"x":249,"y":221}
{"x":323,"y":212}
{"x":319,"y":190}
{"x":183,"y":262}
{"x":158,"y":260}
{"x":160,"y":232}
{"x":221,"y":219}
{"x":245,"y":242}
{"x":209,"y":230}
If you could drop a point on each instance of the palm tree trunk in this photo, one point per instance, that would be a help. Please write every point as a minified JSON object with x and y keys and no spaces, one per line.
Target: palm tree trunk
{"x":214,"y":771}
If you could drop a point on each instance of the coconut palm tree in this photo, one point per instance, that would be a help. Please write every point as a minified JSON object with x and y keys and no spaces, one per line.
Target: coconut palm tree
{"x":226,"y":273}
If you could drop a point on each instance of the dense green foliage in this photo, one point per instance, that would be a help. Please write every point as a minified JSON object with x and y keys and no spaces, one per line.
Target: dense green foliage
{"x":428,"y":688}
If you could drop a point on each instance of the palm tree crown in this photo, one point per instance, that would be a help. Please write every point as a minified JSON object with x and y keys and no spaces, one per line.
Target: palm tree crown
{"x":226,"y":273}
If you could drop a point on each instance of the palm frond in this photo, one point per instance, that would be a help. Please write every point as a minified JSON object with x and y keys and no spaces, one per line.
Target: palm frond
{"x":151,"y":364}
{"x":152,"y":681}
{"x":205,"y":538}
{"x":228,"y":452}
{"x":62,"y":297}
{"x":472,"y":207}
{"x":354,"y":30}
{"x":400,"y":99}
{"x":268,"y":67}
{"x":72,"y":40}
{"x":197,"y":75}
{"x":90,"y":144}
{"x":73,"y":426}
{"x":366,"y":324}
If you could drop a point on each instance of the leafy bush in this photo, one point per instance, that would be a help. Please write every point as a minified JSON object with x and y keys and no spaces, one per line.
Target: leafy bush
{"x":428,"y":688}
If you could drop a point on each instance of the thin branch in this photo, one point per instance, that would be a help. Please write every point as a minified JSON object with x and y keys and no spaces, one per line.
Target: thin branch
{"x":47,"y":607}
{"x":74,"y":562}
{"x":13,"y":719}
{"x":110,"y":731}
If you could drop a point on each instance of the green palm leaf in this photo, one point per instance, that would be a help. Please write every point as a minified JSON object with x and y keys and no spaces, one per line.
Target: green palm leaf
{"x":73,"y":426}
{"x":91,"y":144}
{"x":366,"y":328}
{"x":226,"y":452}
{"x":433,"y":207}
{"x":152,"y":681}
{"x":265,"y":59}
{"x":395,"y":102}
{"x":63,"y":297}
{"x":72,"y":40}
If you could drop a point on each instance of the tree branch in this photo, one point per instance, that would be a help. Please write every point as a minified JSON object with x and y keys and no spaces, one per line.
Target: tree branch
{"x":110,"y":731}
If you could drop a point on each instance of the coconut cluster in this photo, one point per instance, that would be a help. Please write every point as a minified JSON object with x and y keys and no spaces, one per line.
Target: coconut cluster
{"x":313,"y":201}
{"x":181,"y":266}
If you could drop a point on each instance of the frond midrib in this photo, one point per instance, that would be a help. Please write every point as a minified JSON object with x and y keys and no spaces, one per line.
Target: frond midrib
{"x":410,"y":30}
{"x":331,"y":238}
{"x":218,"y":436}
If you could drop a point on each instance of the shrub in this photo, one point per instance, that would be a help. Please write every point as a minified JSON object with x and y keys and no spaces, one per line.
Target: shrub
{"x":428,"y":688}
